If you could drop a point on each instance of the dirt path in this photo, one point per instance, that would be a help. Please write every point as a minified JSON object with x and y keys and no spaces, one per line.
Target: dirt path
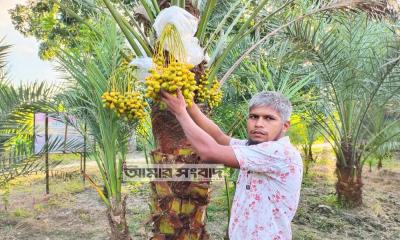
{"x":132,"y":158}
{"x":320,"y":217}
{"x":74,"y":211}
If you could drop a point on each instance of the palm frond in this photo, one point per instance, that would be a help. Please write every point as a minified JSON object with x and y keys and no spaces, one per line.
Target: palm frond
{"x":4,"y":48}
{"x":343,"y":5}
{"x":16,"y":162}
{"x":89,"y":78}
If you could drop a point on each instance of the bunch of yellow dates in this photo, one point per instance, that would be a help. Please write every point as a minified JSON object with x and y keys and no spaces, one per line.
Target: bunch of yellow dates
{"x":179,"y":75}
{"x":171,"y":77}
{"x":129,"y":105}
{"x":212,"y":95}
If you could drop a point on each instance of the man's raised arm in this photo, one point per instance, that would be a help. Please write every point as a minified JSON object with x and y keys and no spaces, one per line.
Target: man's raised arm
{"x":204,"y":144}
{"x":208,"y":125}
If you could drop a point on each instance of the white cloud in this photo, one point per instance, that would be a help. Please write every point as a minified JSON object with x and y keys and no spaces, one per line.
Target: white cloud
{"x":23,"y":61}
{"x":6,"y":5}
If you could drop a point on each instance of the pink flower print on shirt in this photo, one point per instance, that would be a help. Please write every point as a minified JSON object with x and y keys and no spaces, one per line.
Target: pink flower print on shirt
{"x":266,"y":209}
{"x":277,"y":197}
{"x":252,"y":205}
{"x":292,"y":169}
{"x":277,"y":236}
{"x":257,"y":230}
{"x":253,"y":187}
{"x":276,"y":212}
{"x":246,"y":214}
{"x":286,"y":152}
{"x":283,"y":176}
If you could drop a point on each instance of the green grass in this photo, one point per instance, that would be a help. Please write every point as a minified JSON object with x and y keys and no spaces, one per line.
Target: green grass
{"x":305,"y":235}
{"x":66,"y":158}
{"x":390,"y":163}
{"x":327,"y":225}
{"x":39,"y":207}
{"x":74,"y":186}
{"x":218,"y":207}
{"x":135,"y":188}
{"x":21,"y":213}
{"x":84,"y":215}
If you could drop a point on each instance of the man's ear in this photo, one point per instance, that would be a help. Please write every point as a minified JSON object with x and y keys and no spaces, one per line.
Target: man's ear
{"x":286,"y":126}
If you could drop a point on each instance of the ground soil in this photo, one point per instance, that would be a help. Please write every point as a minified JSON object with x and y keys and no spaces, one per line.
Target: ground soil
{"x":74,"y":211}
{"x":319,"y":216}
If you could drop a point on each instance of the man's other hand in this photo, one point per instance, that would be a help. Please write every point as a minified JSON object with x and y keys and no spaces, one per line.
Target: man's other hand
{"x":176,"y":105}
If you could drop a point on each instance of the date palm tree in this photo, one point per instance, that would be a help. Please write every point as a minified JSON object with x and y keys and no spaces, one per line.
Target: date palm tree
{"x":17,"y":106}
{"x":87,"y":79}
{"x":385,"y":125}
{"x":357,"y":70}
{"x":178,"y":209}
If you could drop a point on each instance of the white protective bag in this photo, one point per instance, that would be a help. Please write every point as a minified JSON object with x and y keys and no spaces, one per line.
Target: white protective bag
{"x":186,"y":24}
{"x":194,"y":53}
{"x":144,"y":64}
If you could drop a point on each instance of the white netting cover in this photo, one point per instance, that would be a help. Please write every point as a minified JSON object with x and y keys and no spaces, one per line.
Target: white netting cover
{"x":186,"y":25}
{"x":144,"y":64}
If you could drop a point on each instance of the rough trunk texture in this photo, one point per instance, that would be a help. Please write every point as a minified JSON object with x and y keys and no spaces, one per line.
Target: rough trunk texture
{"x":178,"y":208}
{"x":349,"y":185}
{"x":188,"y":5}
{"x":349,"y":175}
{"x":117,"y":219}
{"x":167,"y":132}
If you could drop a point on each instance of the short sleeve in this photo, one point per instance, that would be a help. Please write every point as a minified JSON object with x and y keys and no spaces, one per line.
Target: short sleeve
{"x":268,"y":157}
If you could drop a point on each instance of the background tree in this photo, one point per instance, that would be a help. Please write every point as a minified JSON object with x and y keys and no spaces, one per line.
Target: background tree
{"x":17,"y":107}
{"x":356,"y":70}
{"x":304,"y":133}
{"x":52,"y":26}
{"x":384,"y":124}
{"x":87,"y":79}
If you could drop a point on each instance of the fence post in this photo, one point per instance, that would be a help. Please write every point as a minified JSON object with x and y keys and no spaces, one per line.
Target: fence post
{"x":34,"y":134}
{"x":81,"y":162}
{"x":65,"y":137}
{"x":84,"y":153}
{"x":46,"y":135}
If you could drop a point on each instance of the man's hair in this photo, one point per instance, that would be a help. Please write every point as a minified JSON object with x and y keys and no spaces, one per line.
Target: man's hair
{"x":275,"y":100}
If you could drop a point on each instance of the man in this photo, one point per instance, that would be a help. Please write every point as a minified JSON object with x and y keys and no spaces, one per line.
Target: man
{"x":268,"y":186}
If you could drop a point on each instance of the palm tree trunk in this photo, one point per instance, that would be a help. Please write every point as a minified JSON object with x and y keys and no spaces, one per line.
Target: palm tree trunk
{"x":178,"y":208}
{"x":116,"y":215}
{"x":349,"y":185}
{"x":308,"y":157}
{"x":380,"y":163}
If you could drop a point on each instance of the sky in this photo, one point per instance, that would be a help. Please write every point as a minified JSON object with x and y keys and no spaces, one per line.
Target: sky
{"x":24,"y":65}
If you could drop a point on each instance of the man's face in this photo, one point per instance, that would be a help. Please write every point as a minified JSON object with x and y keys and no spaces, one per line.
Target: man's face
{"x":265,"y":124}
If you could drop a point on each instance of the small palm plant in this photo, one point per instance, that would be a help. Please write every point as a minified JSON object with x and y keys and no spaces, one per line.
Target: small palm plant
{"x":17,"y":108}
{"x":382,"y":123}
{"x":92,"y":80}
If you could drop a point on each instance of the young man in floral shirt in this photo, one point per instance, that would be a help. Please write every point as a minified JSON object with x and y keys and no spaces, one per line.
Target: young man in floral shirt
{"x":271,"y":170}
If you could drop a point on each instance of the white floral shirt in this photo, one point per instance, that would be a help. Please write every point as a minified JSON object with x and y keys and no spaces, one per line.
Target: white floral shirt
{"x":267,"y":190}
